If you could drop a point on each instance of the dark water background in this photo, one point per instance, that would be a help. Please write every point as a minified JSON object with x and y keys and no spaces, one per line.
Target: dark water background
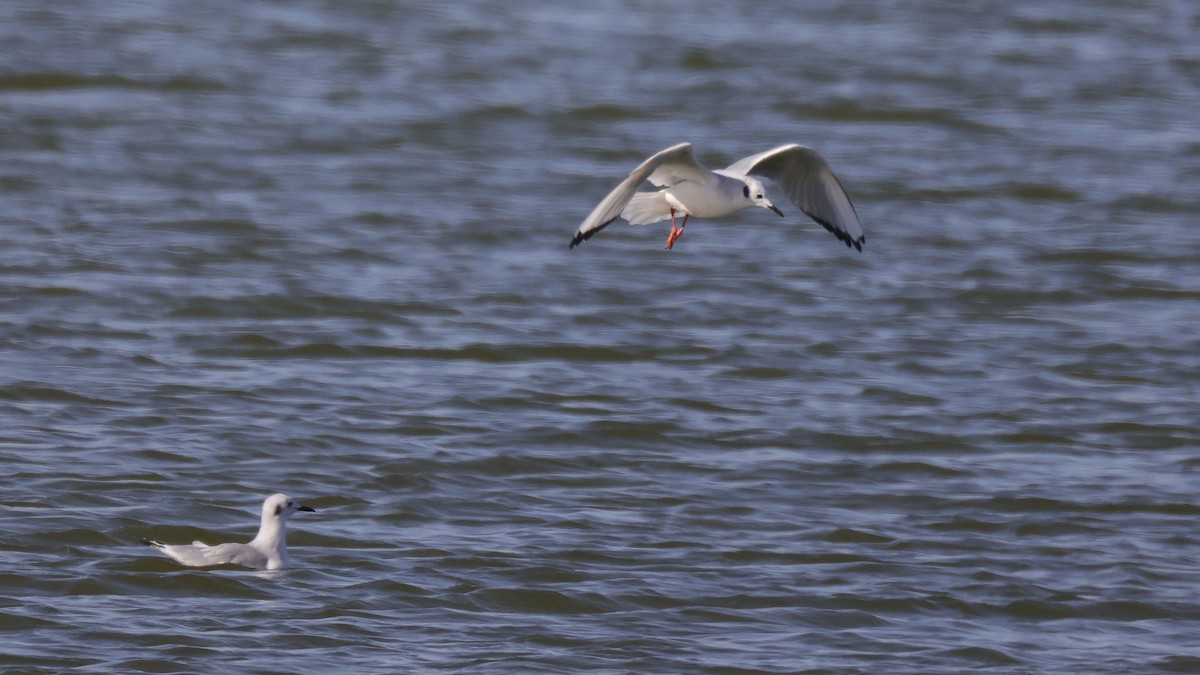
{"x":321,"y":248}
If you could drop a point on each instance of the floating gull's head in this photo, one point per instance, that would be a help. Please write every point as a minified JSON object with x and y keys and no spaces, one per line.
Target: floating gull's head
{"x":753,"y":192}
{"x":281,"y":506}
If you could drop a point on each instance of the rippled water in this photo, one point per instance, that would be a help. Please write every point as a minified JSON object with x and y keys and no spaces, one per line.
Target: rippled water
{"x":321,"y":247}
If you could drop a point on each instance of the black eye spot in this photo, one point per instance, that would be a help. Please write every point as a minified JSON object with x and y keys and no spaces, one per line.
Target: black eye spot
{"x":278,"y":509}
{"x":746,"y":191}
{"x":758,"y":196}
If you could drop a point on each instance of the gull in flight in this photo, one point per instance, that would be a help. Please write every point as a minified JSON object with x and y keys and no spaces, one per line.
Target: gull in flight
{"x":268,"y":551}
{"x":690,"y":189}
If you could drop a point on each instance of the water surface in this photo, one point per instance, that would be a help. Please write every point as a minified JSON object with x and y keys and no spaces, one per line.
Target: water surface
{"x":321,"y":248}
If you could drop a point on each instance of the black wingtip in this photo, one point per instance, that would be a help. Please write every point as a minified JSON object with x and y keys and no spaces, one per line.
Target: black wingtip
{"x":581,"y":237}
{"x":842,"y":236}
{"x":151,"y":542}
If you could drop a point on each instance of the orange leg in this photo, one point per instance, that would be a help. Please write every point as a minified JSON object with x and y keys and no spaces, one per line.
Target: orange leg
{"x":676,"y":232}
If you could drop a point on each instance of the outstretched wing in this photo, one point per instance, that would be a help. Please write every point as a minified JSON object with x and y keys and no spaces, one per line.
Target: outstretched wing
{"x":673,"y":165}
{"x":810,"y":184}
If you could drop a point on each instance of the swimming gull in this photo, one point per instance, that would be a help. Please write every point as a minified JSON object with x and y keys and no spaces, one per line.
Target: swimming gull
{"x":693,"y":190}
{"x":267,"y":551}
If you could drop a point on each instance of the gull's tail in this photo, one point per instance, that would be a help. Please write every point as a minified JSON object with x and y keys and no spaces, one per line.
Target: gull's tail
{"x":646,"y":207}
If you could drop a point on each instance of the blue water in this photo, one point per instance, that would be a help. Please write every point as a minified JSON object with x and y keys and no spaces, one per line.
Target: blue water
{"x":321,"y":248}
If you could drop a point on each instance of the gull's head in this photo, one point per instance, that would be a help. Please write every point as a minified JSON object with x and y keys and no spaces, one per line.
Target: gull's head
{"x":281,"y":506}
{"x":754,"y":193}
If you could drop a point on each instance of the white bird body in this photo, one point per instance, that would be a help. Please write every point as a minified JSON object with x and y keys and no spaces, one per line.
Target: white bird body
{"x":267,"y":551}
{"x":689,"y":189}
{"x":714,"y":198}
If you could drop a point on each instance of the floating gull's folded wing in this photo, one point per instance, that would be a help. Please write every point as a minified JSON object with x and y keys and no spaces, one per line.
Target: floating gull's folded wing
{"x":198,"y":554}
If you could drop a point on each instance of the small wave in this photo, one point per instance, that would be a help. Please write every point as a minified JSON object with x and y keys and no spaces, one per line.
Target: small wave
{"x":853,"y":111}
{"x":58,"y":80}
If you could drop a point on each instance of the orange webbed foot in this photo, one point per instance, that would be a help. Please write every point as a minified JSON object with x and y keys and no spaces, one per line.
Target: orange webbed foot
{"x":676,"y":231}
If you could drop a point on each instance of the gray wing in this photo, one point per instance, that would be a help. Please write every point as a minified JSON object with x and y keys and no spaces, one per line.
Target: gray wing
{"x":192,"y":555}
{"x":235,"y":554}
{"x":197,"y":554}
{"x":673,"y":165}
{"x":810,"y":184}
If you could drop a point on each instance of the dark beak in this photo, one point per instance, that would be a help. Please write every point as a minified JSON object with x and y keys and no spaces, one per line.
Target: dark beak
{"x":776,"y":210}
{"x":307,"y":508}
